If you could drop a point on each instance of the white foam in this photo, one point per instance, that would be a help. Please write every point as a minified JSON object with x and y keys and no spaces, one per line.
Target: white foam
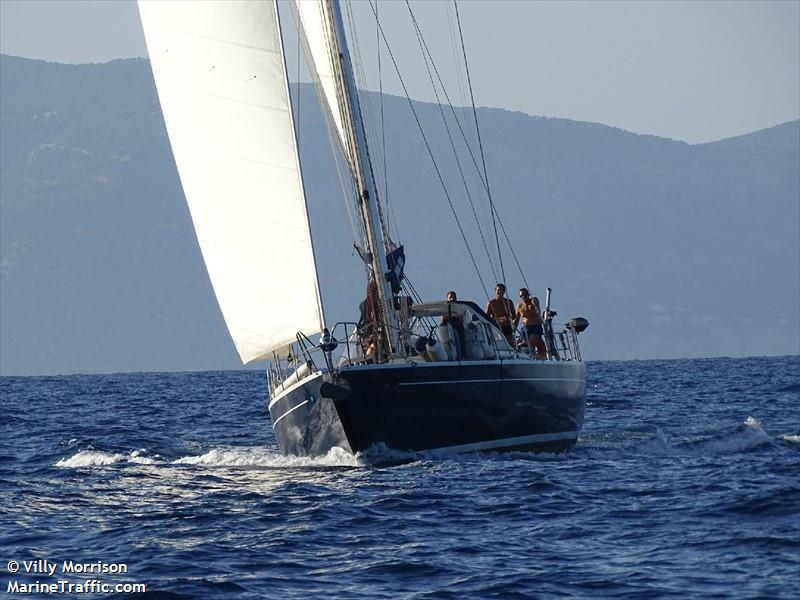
{"x":753,"y":423}
{"x":792,"y":439}
{"x":137,"y":456}
{"x":380,"y":453}
{"x":98,"y":458}
{"x":217,"y":457}
{"x":262,"y":457}
{"x":90,"y":458}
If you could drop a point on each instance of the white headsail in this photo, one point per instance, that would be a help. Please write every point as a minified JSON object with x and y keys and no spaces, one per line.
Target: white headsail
{"x":317,"y":25}
{"x":221,"y":81}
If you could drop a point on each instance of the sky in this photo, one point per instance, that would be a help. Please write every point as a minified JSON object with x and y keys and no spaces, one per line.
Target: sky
{"x":693,"y":71}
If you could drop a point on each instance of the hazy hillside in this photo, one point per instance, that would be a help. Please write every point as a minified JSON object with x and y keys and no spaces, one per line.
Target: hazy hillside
{"x":669,"y":249}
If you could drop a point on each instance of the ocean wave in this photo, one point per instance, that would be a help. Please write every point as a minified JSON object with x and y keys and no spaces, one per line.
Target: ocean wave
{"x":775,"y":502}
{"x":216,"y":457}
{"x":262,"y":457}
{"x":790,"y":388}
{"x":747,"y":436}
{"x":98,"y":458}
{"x":659,"y":444}
{"x":380,"y":455}
{"x":138,"y":457}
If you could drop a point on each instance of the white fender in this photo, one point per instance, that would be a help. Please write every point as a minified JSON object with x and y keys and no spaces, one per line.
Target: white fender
{"x":435,"y":351}
{"x":418,"y":343}
{"x":447,"y":339}
{"x":300,"y":372}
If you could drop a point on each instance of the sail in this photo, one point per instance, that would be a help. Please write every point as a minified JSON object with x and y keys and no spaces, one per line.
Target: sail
{"x":317,"y":24}
{"x":221,"y":81}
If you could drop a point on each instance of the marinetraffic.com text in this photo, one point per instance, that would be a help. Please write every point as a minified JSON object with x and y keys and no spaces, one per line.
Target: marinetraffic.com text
{"x":44,"y":576}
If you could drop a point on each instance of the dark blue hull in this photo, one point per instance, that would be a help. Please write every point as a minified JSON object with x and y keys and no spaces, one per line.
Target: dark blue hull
{"x":447,"y":407}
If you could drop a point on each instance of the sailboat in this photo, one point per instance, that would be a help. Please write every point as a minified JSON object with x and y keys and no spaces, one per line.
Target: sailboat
{"x":407,"y":374}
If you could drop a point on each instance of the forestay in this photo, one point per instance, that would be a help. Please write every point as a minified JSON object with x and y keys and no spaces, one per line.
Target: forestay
{"x":221,"y":80}
{"x":317,"y":24}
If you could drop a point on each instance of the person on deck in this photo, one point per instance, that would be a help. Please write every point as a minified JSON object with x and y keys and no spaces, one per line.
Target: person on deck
{"x":457,"y":323}
{"x":367,"y":327}
{"x":501,"y":309}
{"x":529,"y":312}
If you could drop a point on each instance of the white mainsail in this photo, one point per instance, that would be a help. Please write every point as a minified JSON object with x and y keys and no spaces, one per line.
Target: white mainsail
{"x":317,"y":25}
{"x":221,"y":81}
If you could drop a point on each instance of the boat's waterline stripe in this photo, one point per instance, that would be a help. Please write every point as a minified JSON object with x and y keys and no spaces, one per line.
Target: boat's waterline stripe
{"x":288,"y":412}
{"x":507,"y":442}
{"x":506,"y":380}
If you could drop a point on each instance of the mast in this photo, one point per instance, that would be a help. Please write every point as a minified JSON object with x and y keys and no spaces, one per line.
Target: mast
{"x":368,"y":194}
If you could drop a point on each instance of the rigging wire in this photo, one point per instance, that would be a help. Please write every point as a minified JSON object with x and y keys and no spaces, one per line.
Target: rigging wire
{"x":469,"y":149}
{"x":367,"y":124}
{"x":462,"y":96}
{"x":426,"y":54}
{"x":513,"y":253}
{"x":370,"y":133}
{"x":297,"y":112}
{"x":347,"y":181}
{"x":430,"y":152}
{"x":339,"y":151}
{"x":480,"y":176}
{"x":409,"y":288}
{"x":480,"y":143}
{"x":389,"y":205}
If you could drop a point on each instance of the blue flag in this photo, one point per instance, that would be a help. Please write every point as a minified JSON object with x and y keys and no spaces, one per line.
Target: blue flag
{"x":395,"y":261}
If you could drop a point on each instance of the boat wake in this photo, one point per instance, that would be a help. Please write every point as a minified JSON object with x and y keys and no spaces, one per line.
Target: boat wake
{"x":242,"y":457}
{"x":263,"y":457}
{"x":747,"y":436}
{"x":744,"y":437}
{"x":98,"y":458}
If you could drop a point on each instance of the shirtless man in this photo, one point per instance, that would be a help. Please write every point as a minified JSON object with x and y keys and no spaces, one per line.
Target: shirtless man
{"x":501,"y":309}
{"x":528,"y":310}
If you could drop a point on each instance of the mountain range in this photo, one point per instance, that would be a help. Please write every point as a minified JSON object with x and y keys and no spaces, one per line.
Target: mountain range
{"x":669,"y":249}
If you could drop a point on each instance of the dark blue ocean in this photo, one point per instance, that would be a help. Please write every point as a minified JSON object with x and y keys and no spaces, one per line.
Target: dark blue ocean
{"x":685,"y":483}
